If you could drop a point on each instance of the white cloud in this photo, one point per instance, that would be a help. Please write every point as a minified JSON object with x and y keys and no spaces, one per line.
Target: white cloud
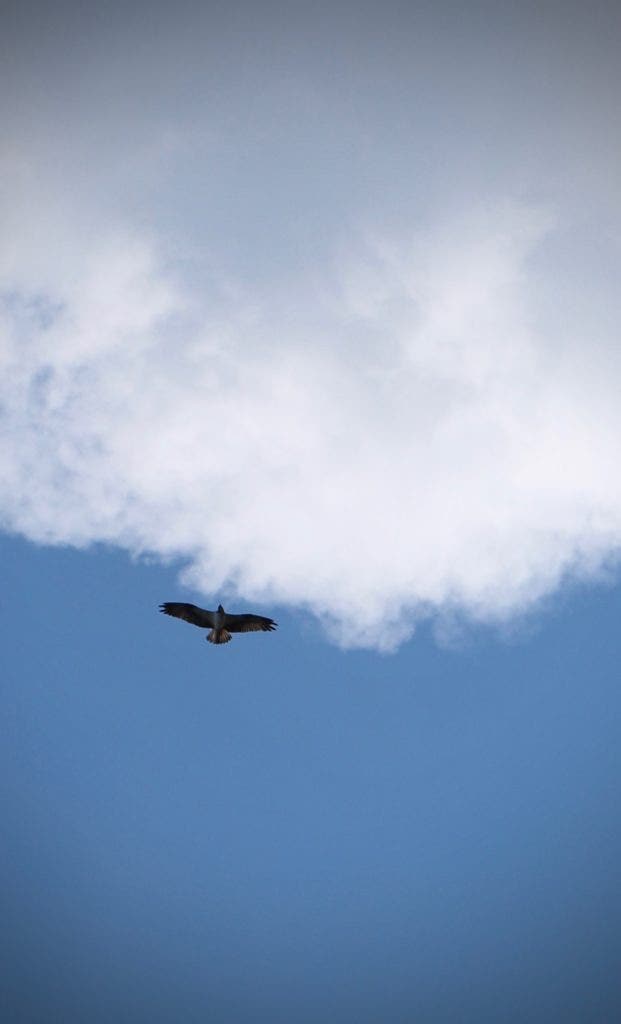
{"x":401,"y":442}
{"x":204,"y":356}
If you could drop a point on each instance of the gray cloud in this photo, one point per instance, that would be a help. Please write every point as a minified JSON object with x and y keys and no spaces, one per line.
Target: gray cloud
{"x":328,"y":315}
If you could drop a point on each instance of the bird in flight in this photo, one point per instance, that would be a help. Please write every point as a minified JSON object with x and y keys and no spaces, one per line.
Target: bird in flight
{"x":221,"y":624}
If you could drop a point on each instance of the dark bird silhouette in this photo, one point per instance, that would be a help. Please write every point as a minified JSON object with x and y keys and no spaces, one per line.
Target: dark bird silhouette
{"x":220,"y":623}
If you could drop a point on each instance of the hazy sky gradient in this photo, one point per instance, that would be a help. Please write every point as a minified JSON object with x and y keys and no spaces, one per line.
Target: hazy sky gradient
{"x":313,"y":310}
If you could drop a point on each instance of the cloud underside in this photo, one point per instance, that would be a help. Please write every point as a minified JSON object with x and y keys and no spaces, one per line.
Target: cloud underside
{"x":264,"y":332}
{"x":417,"y":435}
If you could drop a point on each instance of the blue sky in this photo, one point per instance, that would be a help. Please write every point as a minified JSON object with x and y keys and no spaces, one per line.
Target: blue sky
{"x":313,"y":312}
{"x":278,"y":828}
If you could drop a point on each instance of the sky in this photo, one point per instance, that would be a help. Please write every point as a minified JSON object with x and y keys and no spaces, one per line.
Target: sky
{"x":314,"y":311}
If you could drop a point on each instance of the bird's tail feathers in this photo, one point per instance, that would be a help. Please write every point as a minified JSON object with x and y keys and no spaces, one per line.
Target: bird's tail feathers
{"x":219,"y":636}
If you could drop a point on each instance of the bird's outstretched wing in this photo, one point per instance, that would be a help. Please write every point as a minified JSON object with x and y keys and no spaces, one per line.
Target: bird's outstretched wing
{"x":189,"y":613}
{"x":248,"y":623}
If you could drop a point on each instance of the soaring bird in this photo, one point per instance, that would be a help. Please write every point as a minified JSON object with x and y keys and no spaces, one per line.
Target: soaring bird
{"x":221,"y":624}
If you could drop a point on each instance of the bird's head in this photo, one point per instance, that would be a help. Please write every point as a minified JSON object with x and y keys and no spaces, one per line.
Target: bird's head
{"x":220,"y":608}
